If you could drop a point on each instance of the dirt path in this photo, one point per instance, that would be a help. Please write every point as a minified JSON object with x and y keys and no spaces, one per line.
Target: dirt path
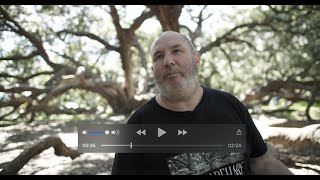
{"x":15,"y":138}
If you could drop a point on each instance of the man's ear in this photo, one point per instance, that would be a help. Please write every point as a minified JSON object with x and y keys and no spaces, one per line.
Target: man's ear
{"x":197,"y":58}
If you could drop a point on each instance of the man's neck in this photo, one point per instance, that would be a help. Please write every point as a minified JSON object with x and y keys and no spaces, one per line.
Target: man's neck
{"x":189,"y":104}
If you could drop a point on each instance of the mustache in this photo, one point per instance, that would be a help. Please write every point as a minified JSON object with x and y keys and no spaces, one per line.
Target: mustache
{"x":170,"y":72}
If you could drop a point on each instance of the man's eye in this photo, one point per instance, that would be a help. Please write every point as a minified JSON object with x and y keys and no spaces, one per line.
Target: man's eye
{"x":175,"y":51}
{"x":159,"y":57}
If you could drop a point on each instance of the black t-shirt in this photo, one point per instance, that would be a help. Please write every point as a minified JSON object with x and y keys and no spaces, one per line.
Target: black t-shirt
{"x":215,"y":107}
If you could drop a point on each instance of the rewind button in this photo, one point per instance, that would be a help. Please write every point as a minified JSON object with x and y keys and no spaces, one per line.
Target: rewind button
{"x":143,"y":132}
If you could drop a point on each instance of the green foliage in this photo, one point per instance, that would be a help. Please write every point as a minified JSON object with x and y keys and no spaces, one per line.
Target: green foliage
{"x":284,"y":48}
{"x":285,"y":45}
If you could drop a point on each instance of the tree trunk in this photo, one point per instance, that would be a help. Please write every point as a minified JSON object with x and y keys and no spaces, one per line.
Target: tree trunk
{"x":310,"y":103}
{"x":168,"y":15}
{"x":125,"y":53}
{"x":308,"y":136}
{"x":60,"y":149}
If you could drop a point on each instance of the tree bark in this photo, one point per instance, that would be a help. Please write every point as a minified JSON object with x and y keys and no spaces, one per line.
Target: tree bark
{"x":308,"y":136}
{"x":60,"y":149}
{"x":168,"y":15}
{"x":126,"y":37}
{"x":310,"y":103}
{"x":277,"y":85}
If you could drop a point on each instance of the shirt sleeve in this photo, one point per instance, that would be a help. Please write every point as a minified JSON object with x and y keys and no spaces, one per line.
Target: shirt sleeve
{"x":256,"y":146}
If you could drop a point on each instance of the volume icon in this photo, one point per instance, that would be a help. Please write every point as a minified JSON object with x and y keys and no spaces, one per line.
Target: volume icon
{"x":115,"y":132}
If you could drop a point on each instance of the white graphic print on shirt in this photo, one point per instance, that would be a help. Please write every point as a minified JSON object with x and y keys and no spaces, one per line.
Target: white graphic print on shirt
{"x":207,"y":163}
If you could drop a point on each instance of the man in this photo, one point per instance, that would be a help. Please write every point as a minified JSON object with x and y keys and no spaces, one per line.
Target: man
{"x":183,"y":100}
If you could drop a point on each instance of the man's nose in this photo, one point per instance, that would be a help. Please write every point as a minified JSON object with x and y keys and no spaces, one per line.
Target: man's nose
{"x":169,"y":60}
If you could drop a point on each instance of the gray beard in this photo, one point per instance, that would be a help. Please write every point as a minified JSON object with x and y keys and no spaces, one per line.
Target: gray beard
{"x":182,"y":91}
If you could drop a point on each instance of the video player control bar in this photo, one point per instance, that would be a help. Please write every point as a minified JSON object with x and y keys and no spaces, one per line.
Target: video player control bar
{"x":161,"y":138}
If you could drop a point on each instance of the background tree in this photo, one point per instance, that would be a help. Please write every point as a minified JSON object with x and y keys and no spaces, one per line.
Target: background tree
{"x":94,"y":59}
{"x":91,"y":62}
{"x":74,"y":71}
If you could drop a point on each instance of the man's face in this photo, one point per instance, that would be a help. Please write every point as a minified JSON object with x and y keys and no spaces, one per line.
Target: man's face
{"x":174,"y":64}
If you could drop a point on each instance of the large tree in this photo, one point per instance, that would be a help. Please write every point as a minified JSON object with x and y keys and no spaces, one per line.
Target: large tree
{"x":293,"y":55}
{"x":73,"y":71}
{"x":60,"y":59}
{"x":273,"y":51}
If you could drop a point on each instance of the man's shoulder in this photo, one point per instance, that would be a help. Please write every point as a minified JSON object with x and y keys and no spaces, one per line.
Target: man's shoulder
{"x":141,"y":113}
{"x":212,"y":92}
{"x":223,"y":98}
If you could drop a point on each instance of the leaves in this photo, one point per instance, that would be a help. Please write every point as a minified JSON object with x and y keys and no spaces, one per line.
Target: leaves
{"x":103,"y":51}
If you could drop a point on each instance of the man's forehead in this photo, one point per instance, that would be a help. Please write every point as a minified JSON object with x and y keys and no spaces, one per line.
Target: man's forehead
{"x":169,"y":45}
{"x":168,"y":40}
{"x":170,"y":35}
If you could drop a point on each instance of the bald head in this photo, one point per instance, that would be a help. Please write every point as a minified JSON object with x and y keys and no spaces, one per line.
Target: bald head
{"x":171,"y":35}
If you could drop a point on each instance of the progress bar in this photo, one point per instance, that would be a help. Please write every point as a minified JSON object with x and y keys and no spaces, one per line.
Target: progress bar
{"x":162,"y":145}
{"x":142,"y":145}
{"x":118,"y":145}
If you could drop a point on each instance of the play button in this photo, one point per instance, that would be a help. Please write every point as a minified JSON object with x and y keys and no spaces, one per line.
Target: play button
{"x":161,"y":132}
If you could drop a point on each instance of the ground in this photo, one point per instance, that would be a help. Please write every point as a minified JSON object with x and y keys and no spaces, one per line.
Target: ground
{"x":17,"y":137}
